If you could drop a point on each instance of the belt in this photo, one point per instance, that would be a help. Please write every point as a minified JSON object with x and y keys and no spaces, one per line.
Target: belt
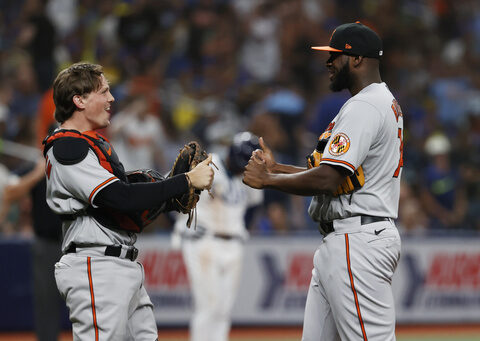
{"x":203,"y":232}
{"x":226,"y":236}
{"x":198,"y":236}
{"x":327,"y":227}
{"x":111,"y":250}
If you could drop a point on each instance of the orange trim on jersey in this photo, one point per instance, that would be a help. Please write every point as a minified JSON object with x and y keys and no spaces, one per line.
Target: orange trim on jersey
{"x":352,"y":285}
{"x":99,"y":186}
{"x":92,"y":296}
{"x":340,"y":161}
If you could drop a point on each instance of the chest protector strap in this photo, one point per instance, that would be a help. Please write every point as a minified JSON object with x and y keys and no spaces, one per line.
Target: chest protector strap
{"x":108,"y":159}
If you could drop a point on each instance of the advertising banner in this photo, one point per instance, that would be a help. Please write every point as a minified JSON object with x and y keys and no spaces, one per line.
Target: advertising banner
{"x":437,"y":280}
{"x":273,"y":288}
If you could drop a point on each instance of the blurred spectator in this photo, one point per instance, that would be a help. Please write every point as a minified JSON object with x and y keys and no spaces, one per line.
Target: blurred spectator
{"x":7,"y":178}
{"x":443,"y":195}
{"x":260,"y":56}
{"x":216,"y":67}
{"x":46,"y":249}
{"x":469,"y":164}
{"x":136,"y":29}
{"x":138,"y":136}
{"x":63,"y":15}
{"x":25,"y":98}
{"x":45,"y":122}
{"x":201,"y":20}
{"x":5,"y":98}
{"x":37,"y":36}
{"x":412,"y":219}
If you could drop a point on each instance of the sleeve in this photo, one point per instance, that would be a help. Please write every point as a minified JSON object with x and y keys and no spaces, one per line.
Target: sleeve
{"x":138,"y":196}
{"x":85,"y":179}
{"x":255,"y":196}
{"x":354,"y":133}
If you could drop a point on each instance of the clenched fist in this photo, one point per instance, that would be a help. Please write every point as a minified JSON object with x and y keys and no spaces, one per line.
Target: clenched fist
{"x":255,"y":172}
{"x":202,"y":175}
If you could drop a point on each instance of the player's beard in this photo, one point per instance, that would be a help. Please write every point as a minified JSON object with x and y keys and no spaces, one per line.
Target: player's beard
{"x":341,"y":80}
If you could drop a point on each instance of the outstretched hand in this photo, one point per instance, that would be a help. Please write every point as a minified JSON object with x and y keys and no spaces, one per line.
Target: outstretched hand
{"x":256,"y":172}
{"x":265,"y":154}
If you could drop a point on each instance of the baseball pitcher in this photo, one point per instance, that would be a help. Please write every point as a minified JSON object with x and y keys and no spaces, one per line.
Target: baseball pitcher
{"x":354,"y":177}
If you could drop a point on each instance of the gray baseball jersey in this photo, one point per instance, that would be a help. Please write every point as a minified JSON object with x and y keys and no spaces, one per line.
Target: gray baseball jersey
{"x":350,"y":296}
{"x":71,"y":189}
{"x":366,"y":132}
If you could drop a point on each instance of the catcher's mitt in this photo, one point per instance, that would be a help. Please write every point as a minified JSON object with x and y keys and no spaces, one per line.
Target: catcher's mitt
{"x":188,"y":158}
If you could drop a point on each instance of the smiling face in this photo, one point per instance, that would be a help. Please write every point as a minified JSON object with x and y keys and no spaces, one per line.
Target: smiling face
{"x":339,"y":71}
{"x":97,"y":106}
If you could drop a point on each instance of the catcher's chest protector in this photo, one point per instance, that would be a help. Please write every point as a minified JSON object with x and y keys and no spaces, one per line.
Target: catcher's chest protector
{"x":97,"y":143}
{"x":108,"y":159}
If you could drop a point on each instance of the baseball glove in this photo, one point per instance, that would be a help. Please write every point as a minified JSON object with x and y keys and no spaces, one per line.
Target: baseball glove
{"x":187,"y":159}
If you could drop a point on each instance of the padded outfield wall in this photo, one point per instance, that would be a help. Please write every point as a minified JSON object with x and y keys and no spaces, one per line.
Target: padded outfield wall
{"x":437,"y":281}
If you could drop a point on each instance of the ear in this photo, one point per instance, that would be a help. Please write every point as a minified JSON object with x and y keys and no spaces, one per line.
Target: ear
{"x":357,"y":60}
{"x":78,"y":100}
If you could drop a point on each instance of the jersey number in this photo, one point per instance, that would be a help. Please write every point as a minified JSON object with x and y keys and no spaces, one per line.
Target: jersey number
{"x":398,"y":113}
{"x":400,"y":162}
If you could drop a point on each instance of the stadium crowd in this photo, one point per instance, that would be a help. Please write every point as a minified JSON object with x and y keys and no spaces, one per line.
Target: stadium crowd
{"x":203,"y":70}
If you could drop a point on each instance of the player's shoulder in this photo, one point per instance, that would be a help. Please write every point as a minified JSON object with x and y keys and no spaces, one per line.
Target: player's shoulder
{"x":374,"y":99}
{"x":376,"y":94}
{"x":70,"y":150}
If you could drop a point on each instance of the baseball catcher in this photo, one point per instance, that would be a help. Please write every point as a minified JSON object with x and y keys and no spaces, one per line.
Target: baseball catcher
{"x":103,"y":208}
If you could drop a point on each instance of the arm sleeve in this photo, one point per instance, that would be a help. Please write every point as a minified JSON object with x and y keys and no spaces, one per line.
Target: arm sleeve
{"x":352,"y":136}
{"x":139,"y":196}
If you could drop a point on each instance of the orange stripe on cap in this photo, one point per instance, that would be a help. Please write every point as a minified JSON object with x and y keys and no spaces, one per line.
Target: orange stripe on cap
{"x":341,"y":162}
{"x":100,"y":186}
{"x":92,"y":296}
{"x":325,"y":48}
{"x":352,"y":285}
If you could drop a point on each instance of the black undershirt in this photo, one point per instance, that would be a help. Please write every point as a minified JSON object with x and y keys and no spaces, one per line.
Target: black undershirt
{"x":139,"y":196}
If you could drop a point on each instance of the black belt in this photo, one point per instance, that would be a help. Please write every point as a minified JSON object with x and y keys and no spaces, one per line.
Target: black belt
{"x":198,"y":236}
{"x":111,"y":250}
{"x":226,"y":236}
{"x":202,"y":232}
{"x":327,"y":227}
